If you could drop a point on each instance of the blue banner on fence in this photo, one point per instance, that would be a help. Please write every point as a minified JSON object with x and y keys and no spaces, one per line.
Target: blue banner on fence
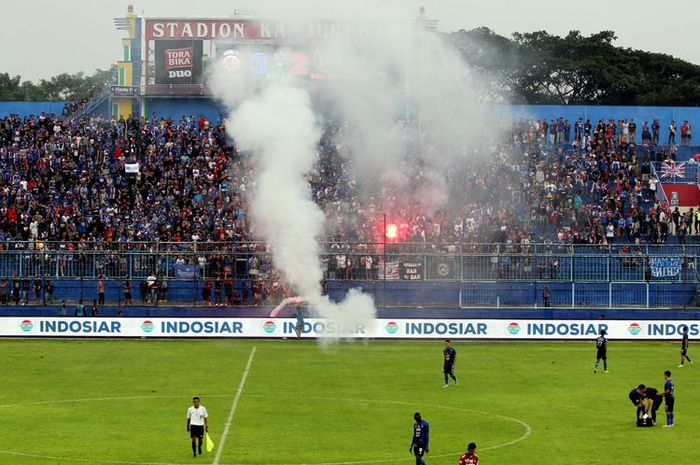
{"x":185,"y":271}
{"x":664,"y":267}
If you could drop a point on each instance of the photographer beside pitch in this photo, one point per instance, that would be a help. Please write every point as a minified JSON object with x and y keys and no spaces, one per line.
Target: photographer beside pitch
{"x":197,"y":424}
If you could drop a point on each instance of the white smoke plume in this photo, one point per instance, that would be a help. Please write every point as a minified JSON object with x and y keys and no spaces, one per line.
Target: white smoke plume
{"x":409,"y":75}
{"x":276,"y":123}
{"x":279,"y":127}
{"x":381,"y":83}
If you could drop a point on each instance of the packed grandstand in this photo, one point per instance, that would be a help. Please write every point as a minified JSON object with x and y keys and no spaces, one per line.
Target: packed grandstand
{"x":155,"y":199}
{"x":66,"y":184}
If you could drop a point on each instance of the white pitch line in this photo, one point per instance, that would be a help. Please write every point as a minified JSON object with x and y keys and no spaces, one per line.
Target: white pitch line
{"x":528,"y":429}
{"x":227,"y":426}
{"x":104,"y":399}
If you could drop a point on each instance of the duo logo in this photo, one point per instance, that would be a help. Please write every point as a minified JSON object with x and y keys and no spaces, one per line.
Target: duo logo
{"x":392,"y":327}
{"x":269,"y":326}
{"x":634,"y":329}
{"x":513,"y":328}
{"x":147,"y":326}
{"x":26,"y":326}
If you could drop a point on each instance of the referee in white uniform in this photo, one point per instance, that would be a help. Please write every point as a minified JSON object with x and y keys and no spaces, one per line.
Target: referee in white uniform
{"x":197,"y":424}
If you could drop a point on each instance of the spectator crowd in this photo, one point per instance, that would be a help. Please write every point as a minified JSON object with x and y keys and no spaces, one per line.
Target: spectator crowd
{"x":75,"y":185}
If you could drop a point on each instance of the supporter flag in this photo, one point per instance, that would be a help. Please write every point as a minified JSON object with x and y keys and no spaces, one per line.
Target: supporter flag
{"x":131,"y":167}
{"x":672,"y":170}
{"x":665,"y":267}
{"x":183,"y":271}
{"x":446,"y":268}
{"x":392,"y":269}
{"x":210,"y":443}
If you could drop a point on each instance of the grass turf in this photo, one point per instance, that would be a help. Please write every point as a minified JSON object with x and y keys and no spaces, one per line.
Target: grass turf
{"x":94,"y":401}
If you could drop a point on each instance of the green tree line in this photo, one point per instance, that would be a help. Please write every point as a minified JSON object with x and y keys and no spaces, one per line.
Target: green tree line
{"x":541,"y":68}
{"x":534,"y":67}
{"x":62,"y":87}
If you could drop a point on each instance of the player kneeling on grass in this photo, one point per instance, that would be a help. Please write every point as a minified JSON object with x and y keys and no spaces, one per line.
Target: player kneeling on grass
{"x":636,"y":396}
{"x":420,"y":439}
{"x":197,"y":424}
{"x":469,"y":457}
{"x":652,"y":401}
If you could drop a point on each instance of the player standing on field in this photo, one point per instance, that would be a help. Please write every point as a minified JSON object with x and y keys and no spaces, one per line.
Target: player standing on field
{"x":197,"y":424}
{"x":669,"y":387}
{"x":449,"y":359}
{"x":469,"y":457}
{"x":420,"y":439}
{"x":299,"y":328}
{"x":684,"y":348}
{"x":601,"y":345}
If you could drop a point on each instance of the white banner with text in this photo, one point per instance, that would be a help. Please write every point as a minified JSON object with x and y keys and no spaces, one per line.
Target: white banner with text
{"x":313,"y":328}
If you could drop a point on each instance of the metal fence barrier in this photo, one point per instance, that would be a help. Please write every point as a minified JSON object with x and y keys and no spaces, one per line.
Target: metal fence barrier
{"x":482,"y":275}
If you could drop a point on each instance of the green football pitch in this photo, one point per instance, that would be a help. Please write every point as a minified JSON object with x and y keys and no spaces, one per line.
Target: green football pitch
{"x":295,"y":402}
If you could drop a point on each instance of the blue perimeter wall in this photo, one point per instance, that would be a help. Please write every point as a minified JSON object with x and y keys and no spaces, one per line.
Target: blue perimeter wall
{"x":596,"y":113}
{"x":30,"y":108}
{"x":176,"y":107}
{"x":398,"y":313}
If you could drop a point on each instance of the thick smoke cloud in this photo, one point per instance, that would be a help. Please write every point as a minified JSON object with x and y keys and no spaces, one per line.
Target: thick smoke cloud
{"x":276,"y":123}
{"x":413,"y":102}
{"x":406,"y":100}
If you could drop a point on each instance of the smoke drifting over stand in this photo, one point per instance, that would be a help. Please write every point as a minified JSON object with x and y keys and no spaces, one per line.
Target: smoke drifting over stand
{"x":390,"y":83}
{"x":275,"y":121}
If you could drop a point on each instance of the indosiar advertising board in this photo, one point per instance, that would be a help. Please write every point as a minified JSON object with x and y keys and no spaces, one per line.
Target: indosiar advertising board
{"x":320,"y":328}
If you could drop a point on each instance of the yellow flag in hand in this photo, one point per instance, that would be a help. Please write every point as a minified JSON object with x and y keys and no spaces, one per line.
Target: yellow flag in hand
{"x":210,"y":443}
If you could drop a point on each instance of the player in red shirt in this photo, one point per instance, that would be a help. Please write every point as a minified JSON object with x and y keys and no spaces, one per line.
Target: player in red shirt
{"x":469,"y":457}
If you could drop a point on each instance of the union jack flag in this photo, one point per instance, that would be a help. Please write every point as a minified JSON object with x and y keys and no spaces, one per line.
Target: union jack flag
{"x":672,"y":170}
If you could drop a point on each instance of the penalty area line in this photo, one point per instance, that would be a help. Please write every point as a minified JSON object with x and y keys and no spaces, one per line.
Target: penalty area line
{"x":234,"y":405}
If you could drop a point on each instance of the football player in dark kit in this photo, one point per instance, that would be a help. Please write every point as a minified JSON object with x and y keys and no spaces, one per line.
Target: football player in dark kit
{"x":652,"y":401}
{"x":420,"y":439}
{"x":669,"y":388}
{"x":637,"y":398}
{"x":601,"y":345}
{"x":449,"y":359}
{"x":684,"y":348}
